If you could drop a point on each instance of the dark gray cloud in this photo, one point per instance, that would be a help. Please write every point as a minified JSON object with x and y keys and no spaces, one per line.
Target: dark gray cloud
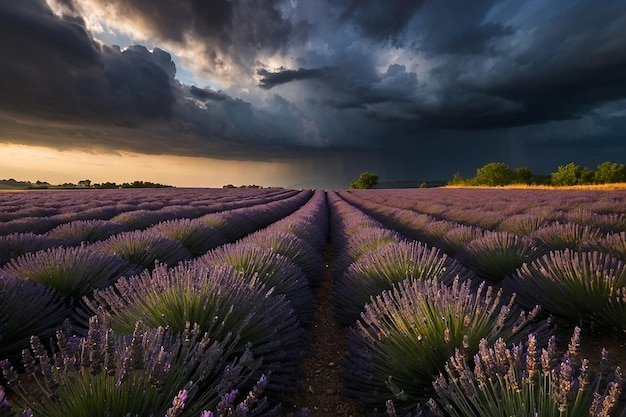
{"x":272,"y":79}
{"x":289,"y":78}
{"x":378,"y":19}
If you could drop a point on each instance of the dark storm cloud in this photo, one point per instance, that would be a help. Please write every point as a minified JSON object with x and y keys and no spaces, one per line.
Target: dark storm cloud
{"x":378,"y":19}
{"x":497,"y":74}
{"x":64,"y":89}
{"x":206,"y":94}
{"x":228,"y":34}
{"x":272,"y":79}
{"x":371,"y":75}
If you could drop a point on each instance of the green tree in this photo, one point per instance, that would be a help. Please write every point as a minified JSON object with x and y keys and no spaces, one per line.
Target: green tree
{"x":457,"y":179}
{"x":494,"y":174}
{"x":366,"y":180}
{"x":609,"y":172}
{"x":524,"y":175}
{"x":571,"y":174}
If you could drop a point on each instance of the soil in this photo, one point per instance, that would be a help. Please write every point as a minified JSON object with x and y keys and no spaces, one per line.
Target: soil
{"x":322,"y":383}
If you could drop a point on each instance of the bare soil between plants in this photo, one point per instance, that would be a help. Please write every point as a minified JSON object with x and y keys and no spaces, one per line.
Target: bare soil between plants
{"x":322,"y":382}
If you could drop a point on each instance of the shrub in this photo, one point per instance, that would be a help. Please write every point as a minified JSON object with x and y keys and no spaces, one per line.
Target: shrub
{"x":592,"y":283}
{"x":522,"y":224}
{"x":571,"y":174}
{"x":406,"y":335}
{"x":524,"y":382}
{"x":365,"y":181}
{"x":72,"y":271}
{"x":221,"y":301}
{"x":153,"y":373}
{"x":434,"y":231}
{"x":498,"y":254}
{"x":360,"y":242}
{"x":456,"y":238}
{"x":234,"y":224}
{"x":194,"y":235}
{"x":141,"y":219}
{"x":17,"y":244}
{"x":305,"y":230}
{"x":274,"y":270}
{"x":494,"y":174}
{"x":27,"y":308}
{"x":87,"y":231}
{"x":613,"y":243}
{"x":566,"y":236}
{"x":300,"y":252}
{"x":144,"y":248}
{"x":379,"y":269}
{"x":36,"y":225}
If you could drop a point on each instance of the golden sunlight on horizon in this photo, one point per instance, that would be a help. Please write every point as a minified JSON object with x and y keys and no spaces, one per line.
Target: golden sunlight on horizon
{"x":32,"y":163}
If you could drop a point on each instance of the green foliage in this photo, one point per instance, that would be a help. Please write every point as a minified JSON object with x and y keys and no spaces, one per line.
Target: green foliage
{"x":503,"y":382}
{"x":499,"y":174}
{"x":524,"y":175}
{"x":221,"y":301}
{"x":592,"y":283}
{"x":571,"y":174}
{"x":154,"y":372}
{"x":494,"y":174}
{"x":609,"y":172}
{"x":457,"y":179}
{"x":367,"y":180}
{"x":406,"y":335}
{"x":498,"y":254}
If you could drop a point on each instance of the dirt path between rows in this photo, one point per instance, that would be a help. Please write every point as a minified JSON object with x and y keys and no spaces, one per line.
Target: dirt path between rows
{"x":322,"y":381}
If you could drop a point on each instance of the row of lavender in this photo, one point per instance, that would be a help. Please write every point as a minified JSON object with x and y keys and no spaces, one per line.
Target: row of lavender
{"x":417,"y":311}
{"x":35,"y":221}
{"x":179,"y":338}
{"x":574,"y":253}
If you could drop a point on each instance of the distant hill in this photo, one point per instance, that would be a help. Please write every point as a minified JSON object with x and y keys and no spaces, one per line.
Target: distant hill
{"x":12,"y":184}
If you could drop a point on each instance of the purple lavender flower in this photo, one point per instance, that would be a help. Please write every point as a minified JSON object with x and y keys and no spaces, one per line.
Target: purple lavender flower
{"x":144,"y":248}
{"x":194,"y":235}
{"x":272,"y":269}
{"x":4,"y":403}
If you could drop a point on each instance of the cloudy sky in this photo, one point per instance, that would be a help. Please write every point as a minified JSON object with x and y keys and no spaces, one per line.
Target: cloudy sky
{"x":307,"y":93}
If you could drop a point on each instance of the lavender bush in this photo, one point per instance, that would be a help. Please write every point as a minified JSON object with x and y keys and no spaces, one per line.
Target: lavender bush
{"x":592,"y":283}
{"x":221,"y":301}
{"x":566,"y":236}
{"x":72,"y":271}
{"x":141,"y":219}
{"x":274,"y":270}
{"x":498,"y":254}
{"x":613,"y":243}
{"x":523,"y":381}
{"x":154,"y":372}
{"x":27,"y":308}
{"x":17,"y":244}
{"x":457,"y":238}
{"x":406,"y":335}
{"x":144,"y":248}
{"x":360,"y":242}
{"x":379,"y":269}
{"x":87,"y":231}
{"x":304,"y":229}
{"x":195,"y":236}
{"x":300,"y":252}
{"x":522,"y":224}
{"x":234,"y":224}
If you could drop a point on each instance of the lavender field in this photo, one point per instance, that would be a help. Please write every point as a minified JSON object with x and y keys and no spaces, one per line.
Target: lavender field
{"x":202,"y":302}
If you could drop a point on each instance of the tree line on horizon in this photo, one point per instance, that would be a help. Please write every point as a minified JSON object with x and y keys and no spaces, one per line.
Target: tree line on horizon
{"x":496,"y":174}
{"x":39,"y":185}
